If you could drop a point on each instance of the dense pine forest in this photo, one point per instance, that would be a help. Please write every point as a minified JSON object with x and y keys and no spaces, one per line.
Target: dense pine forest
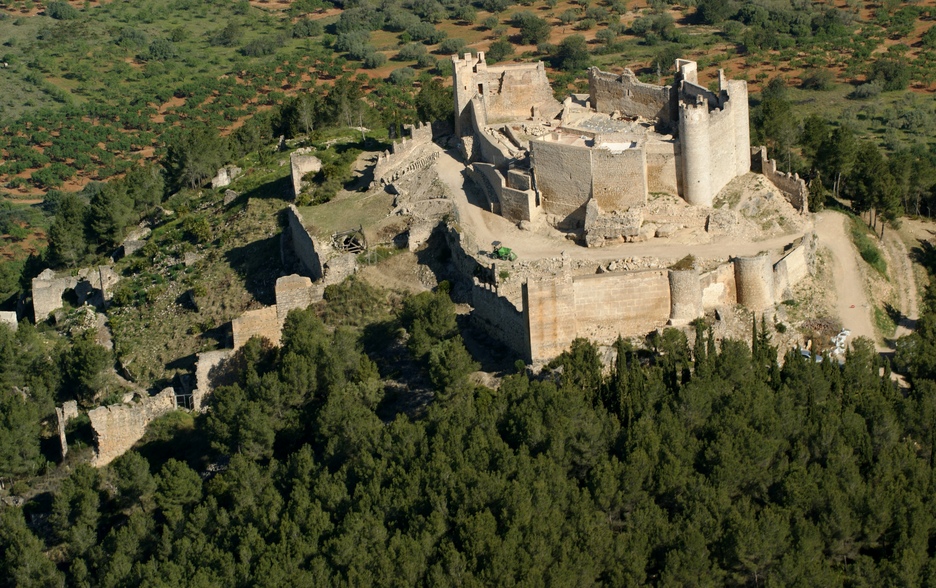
{"x":682,"y":465}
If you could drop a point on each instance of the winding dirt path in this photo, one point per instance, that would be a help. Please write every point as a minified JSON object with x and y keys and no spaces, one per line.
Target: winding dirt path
{"x":851,"y":301}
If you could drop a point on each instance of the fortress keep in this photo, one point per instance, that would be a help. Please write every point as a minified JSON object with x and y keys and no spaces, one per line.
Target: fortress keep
{"x":607,"y":150}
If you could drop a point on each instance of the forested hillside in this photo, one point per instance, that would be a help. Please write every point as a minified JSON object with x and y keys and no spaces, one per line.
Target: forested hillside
{"x":706,"y":466}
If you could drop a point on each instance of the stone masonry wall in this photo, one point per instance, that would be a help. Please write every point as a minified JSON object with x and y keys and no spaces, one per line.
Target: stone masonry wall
{"x":514,"y":205}
{"x":662,"y":167}
{"x":262,"y":322}
{"x":627,"y":300}
{"x":302,"y":162}
{"x":718,"y":287}
{"x":491,"y":150}
{"x":619,"y":180}
{"x":295,"y":292}
{"x":625,"y":93}
{"x":303,"y":243}
{"x":794,"y":188}
{"x":787,"y":272}
{"x":563,"y":178}
{"x":549,"y":313}
{"x":206,"y":365}
{"x":408,"y":154}
{"x":118,"y":427}
{"x":499,"y":318}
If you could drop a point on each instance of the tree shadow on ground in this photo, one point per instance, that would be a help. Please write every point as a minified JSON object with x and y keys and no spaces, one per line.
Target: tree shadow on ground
{"x":279,"y":188}
{"x":259,"y":265}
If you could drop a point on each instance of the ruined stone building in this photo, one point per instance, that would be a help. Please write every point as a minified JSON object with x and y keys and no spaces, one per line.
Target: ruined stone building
{"x":608,"y":150}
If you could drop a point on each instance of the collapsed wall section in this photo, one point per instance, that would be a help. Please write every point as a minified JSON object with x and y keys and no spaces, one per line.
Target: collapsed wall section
{"x":794,"y":188}
{"x":513,"y":204}
{"x":117,"y":428}
{"x":626,"y":94}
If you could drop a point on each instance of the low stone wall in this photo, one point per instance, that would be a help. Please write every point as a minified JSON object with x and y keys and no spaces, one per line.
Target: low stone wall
{"x":117,"y":428}
{"x":792,"y":186}
{"x":304,"y":244}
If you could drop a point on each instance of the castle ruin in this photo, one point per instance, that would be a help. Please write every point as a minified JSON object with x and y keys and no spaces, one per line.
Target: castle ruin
{"x":609,"y":149}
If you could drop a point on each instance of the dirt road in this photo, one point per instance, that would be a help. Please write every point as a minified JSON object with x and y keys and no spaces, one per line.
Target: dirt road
{"x":851,"y":301}
{"x":487,"y":227}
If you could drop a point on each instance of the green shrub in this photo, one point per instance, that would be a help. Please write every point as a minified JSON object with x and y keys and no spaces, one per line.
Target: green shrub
{"x":867,"y":247}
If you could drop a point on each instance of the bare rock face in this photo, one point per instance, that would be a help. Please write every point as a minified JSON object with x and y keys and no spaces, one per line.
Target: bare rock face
{"x":721,"y":220}
{"x":230,"y":196}
{"x":225,"y":176}
{"x":667,"y":230}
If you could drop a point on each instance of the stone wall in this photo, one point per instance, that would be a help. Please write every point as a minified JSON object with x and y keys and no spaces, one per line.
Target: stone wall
{"x":626,"y":299}
{"x":718,"y":287}
{"x":302,"y":162}
{"x":619,"y":179}
{"x":663,"y":167}
{"x":490,"y":148}
{"x":295,"y":292}
{"x":499,"y":318}
{"x":262,"y":322}
{"x":549,"y":314}
{"x":304,"y":244}
{"x":794,"y":188}
{"x":206,"y":367}
{"x":792,"y":267}
{"x":407,"y":155}
{"x":118,"y":427}
{"x":625,"y":93}
{"x":8,"y":317}
{"x":563,"y":179}
{"x":514,"y":205}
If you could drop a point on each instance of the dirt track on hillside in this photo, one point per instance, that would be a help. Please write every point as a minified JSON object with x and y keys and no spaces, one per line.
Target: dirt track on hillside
{"x":851,"y":301}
